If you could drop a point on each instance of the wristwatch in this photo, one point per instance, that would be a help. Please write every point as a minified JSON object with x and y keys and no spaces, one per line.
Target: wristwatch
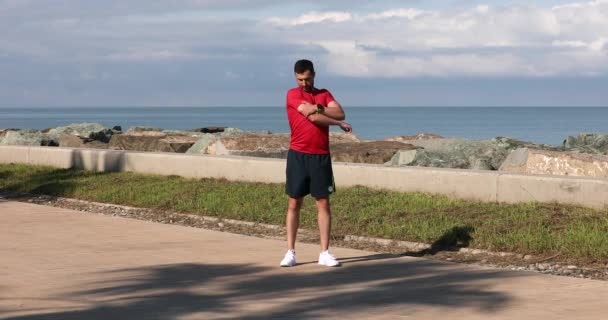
{"x":320,"y":109}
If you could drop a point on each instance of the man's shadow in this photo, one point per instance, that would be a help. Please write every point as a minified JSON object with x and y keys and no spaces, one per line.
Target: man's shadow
{"x":452,"y":240}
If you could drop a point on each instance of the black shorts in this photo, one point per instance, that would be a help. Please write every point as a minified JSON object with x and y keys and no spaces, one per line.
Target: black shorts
{"x":309,"y":174}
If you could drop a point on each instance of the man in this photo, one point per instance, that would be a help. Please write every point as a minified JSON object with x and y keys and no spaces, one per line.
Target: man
{"x":310,"y":112}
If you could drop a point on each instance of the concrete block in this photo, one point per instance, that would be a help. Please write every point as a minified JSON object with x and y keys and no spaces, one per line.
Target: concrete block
{"x":52,"y":156}
{"x":465,"y":184}
{"x":14,"y":154}
{"x":199,"y":166}
{"x":591,"y":192}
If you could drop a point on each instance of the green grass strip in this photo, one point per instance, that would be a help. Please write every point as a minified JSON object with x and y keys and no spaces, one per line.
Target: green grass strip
{"x":531,"y":228}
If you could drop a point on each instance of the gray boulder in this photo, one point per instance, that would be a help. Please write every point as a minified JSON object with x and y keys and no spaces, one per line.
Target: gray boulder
{"x":403,"y":158}
{"x":92,"y":131}
{"x":3,"y":133}
{"x":137,"y":129}
{"x":587,"y":143}
{"x":461,"y":153}
{"x":337,"y":137}
{"x":251,"y":144}
{"x":25,"y":137}
{"x":376,"y":152}
{"x":209,"y":130}
{"x":72,"y":141}
{"x":103,"y":136}
{"x":261,"y":144}
{"x":511,"y":144}
{"x":531,"y":161}
{"x":158,"y":142}
{"x":200,"y":147}
{"x":78,"y":129}
{"x":206,"y":139}
{"x":419,"y":136}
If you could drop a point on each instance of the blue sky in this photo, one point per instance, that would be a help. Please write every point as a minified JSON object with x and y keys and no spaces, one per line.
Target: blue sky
{"x":92,"y":53}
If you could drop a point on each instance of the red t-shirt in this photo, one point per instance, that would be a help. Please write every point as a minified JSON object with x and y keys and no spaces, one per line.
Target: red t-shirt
{"x":306,"y":137}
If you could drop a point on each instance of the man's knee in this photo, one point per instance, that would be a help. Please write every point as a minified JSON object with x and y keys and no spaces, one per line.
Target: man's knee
{"x":322,"y":202}
{"x":294,"y":204}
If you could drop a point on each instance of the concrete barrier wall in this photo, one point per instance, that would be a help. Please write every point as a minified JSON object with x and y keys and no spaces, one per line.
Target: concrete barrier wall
{"x":489,"y":186}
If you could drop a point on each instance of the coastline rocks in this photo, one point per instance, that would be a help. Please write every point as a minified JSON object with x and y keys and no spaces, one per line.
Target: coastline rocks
{"x":138,"y":129}
{"x":252,"y":144}
{"x":532,"y":161}
{"x":587,"y":143}
{"x":375,"y":152}
{"x":3,"y":133}
{"x":25,"y":137}
{"x":103,"y":136}
{"x":402,"y":158}
{"x":72,"y":141}
{"x":511,"y":144}
{"x":461,"y":153}
{"x":337,"y":137}
{"x":454,"y":153}
{"x":419,"y":136}
{"x":206,"y":139}
{"x":152,"y":141}
{"x":78,"y":129}
{"x":226,"y":132}
{"x":421,"y":157}
{"x":86,"y":132}
{"x":201,"y":145}
{"x":209,"y":130}
{"x":269,"y":145}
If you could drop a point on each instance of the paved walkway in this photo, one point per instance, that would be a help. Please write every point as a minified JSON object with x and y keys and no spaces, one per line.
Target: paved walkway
{"x":61,"y":264}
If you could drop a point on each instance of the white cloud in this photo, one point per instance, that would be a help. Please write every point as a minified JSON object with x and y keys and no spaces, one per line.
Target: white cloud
{"x":533,"y":41}
{"x":479,"y":41}
{"x":409,"y":13}
{"x":313,"y":17}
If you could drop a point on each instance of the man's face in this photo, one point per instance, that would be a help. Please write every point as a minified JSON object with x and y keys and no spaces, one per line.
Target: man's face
{"x":306,"y":80}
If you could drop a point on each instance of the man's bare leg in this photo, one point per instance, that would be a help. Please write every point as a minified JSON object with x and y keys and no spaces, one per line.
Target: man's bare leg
{"x":324,"y":220}
{"x":293,"y":221}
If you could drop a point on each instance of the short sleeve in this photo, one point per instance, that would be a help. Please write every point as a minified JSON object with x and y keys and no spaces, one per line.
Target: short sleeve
{"x":293,"y":99}
{"x":328,"y":98}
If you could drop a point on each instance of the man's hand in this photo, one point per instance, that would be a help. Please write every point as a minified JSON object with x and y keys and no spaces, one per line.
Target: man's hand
{"x":346,"y":127}
{"x":306,"y":108}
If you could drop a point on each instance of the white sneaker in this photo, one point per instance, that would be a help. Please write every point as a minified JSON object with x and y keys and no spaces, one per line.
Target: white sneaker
{"x":289,"y":260}
{"x":327,"y":259}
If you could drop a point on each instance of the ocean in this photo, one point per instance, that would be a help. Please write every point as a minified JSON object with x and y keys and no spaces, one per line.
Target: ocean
{"x":549,"y":125}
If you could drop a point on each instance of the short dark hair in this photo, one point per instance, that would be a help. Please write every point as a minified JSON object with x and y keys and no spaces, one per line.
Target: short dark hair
{"x":303,"y":65}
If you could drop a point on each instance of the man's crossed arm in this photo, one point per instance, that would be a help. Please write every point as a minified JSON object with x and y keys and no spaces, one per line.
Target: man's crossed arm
{"x":333,"y":115}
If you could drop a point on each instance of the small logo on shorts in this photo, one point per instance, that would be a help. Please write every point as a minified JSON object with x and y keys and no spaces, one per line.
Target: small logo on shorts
{"x":330,"y":189}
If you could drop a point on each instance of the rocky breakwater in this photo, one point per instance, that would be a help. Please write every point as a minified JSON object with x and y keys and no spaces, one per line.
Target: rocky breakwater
{"x":82,"y":135}
{"x":23,"y":137}
{"x":158,"y":140}
{"x":262,"y":144}
{"x":580,"y":155}
{"x":592,"y":143}
{"x":583,"y":155}
{"x":344,"y":147}
{"x":533,"y":161}
{"x":374,"y":152}
{"x":151,"y":140}
{"x":434,"y":151}
{"x":95,"y":135}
